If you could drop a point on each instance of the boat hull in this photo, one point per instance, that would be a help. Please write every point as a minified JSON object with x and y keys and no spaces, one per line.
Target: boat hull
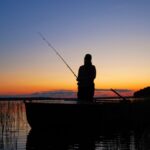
{"x":43,"y":115}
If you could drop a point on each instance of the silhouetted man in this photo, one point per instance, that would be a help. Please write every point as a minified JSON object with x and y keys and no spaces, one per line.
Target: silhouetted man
{"x":86,"y":76}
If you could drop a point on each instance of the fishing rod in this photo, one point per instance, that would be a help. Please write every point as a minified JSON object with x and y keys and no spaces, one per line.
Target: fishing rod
{"x":54,"y":49}
{"x":124,"y":99}
{"x":113,"y":90}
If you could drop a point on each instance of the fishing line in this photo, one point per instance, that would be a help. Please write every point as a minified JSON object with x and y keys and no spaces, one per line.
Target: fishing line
{"x":54,"y":49}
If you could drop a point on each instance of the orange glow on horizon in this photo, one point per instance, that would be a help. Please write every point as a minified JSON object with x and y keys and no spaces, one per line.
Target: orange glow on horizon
{"x":32,"y":89}
{"x":29,"y":89}
{"x":31,"y":84}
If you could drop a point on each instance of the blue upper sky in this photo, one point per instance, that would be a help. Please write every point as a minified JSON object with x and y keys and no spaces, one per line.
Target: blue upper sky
{"x":115,"y":32}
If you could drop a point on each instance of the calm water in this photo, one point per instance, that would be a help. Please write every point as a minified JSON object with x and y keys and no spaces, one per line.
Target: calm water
{"x":15,"y":134}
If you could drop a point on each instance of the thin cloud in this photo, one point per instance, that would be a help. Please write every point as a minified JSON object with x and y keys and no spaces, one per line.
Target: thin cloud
{"x":118,"y":90}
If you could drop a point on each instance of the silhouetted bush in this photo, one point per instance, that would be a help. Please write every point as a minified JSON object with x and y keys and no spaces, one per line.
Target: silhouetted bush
{"x":143,"y":92}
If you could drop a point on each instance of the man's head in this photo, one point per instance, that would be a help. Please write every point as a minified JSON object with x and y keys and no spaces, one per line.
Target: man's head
{"x":87,"y":59}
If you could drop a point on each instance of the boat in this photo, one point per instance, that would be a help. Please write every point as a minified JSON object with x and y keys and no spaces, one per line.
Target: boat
{"x":43,"y":115}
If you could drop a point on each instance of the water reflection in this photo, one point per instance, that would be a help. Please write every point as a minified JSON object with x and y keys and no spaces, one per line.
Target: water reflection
{"x":15,"y":134}
{"x":89,"y":139}
{"x":61,"y":138}
{"x":13,"y":125}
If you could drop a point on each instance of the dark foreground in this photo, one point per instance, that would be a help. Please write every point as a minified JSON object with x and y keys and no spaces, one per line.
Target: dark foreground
{"x":15,"y":134}
{"x":91,"y":139}
{"x":124,"y":113}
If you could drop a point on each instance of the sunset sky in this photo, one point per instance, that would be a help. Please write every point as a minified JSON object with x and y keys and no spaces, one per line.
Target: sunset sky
{"x":115,"y":32}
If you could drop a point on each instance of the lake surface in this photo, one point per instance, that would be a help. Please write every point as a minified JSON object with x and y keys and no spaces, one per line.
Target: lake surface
{"x":15,"y":134}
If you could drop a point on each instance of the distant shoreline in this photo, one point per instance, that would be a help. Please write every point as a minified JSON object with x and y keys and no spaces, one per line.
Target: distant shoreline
{"x":53,"y":98}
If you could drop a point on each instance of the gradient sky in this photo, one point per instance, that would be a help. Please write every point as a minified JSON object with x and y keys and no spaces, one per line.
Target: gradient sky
{"x":115,"y":32}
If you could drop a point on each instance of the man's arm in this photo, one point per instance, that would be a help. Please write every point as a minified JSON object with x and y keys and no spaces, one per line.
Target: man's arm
{"x":94,"y":72}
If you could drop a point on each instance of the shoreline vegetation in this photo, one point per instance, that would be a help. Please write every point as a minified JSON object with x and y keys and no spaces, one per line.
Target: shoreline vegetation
{"x":145,"y":92}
